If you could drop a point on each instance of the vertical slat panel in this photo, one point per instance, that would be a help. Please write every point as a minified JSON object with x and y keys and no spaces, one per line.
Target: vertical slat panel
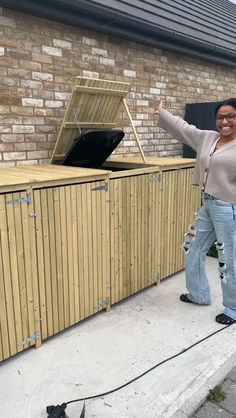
{"x":179,"y":201}
{"x":72,"y":235}
{"x":12,"y":231}
{"x":134,"y":248}
{"x":7,"y":274}
{"x":19,"y":313}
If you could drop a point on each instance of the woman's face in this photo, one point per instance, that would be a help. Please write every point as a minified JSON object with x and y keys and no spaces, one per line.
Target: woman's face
{"x":226,"y":122}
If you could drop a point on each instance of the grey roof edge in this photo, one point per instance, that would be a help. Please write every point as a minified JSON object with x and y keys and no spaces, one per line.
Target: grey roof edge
{"x":96,"y":17}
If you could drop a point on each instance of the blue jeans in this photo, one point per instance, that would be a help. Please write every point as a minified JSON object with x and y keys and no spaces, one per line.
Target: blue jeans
{"x":216,"y":221}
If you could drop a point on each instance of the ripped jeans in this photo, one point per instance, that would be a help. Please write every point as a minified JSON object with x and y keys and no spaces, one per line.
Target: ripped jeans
{"x":216,"y":221}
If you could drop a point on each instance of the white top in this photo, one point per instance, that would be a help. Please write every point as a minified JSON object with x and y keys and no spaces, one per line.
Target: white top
{"x":215,"y":171}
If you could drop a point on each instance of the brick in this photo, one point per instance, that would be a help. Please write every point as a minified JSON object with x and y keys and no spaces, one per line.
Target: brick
{"x":19,"y":54}
{"x":46,"y":146}
{"x":9,"y":100}
{"x":54,"y":103}
{"x":31,"y":84}
{"x":5,"y":128}
{"x":7,"y":21}
{"x":37,"y":154}
{"x":90,"y":58}
{"x":35,"y":137}
{"x":6,"y":147}
{"x":20,"y":92}
{"x":14,"y":156}
{"x":7,"y":164}
{"x":99,"y":51}
{"x":155,"y":91}
{"x":52,"y":51}
{"x":27,"y":101}
{"x":89,"y":41}
{"x":19,"y":110}
{"x":11,"y":120}
{"x":33,"y":120}
{"x":4,"y":109}
{"x":62,"y":44}
{"x":42,"y":58}
{"x":142,"y":103}
{"x":30,"y":65}
{"x":23,"y":146}
{"x":45,"y":161}
{"x":43,"y":112}
{"x":8,"y":62}
{"x":12,"y":138}
{"x":26,"y":162}
{"x":45,"y":129}
{"x":91,"y":74}
{"x":22,"y":129}
{"x":18,"y":72}
{"x":107,"y":61}
{"x":42,"y":76}
{"x":43,"y":94}
{"x":62,"y":95}
{"x":129,"y":73}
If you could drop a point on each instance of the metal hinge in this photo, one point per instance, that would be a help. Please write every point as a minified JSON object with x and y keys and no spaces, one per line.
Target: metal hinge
{"x":33,"y":215}
{"x":26,"y":199}
{"x":156,"y":177}
{"x":155,"y":278}
{"x":29,"y":340}
{"x":103,"y":303}
{"x":104,"y":188}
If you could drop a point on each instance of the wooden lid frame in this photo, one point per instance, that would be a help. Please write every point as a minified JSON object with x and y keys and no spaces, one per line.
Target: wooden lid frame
{"x":94,"y":104}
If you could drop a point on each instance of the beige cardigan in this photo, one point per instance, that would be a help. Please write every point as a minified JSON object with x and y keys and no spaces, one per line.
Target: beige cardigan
{"x":215,"y":172}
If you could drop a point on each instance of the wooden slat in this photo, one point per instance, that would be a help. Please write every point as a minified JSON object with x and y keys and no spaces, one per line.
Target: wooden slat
{"x":105,"y":91}
{"x":4,"y":335}
{"x":53,"y":263}
{"x":48,"y":260}
{"x":71,"y":253}
{"x":90,"y":125}
{"x":16,"y":336}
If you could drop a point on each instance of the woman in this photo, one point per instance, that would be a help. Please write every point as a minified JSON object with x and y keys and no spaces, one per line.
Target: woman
{"x":215,"y":174}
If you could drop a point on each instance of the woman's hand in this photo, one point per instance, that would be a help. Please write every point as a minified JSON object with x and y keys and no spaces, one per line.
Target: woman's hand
{"x":157,"y":110}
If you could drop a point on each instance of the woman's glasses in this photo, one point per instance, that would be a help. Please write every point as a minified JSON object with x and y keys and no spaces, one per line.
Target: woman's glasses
{"x":229,"y":117}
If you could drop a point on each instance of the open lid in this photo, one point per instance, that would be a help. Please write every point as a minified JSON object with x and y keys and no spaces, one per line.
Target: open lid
{"x":92,"y":148}
{"x":94,"y":104}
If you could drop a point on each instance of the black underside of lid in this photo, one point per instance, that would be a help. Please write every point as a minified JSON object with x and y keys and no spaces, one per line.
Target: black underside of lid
{"x":92,"y":148}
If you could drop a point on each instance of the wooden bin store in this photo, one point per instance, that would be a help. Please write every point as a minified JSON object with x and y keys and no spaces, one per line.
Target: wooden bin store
{"x":75,"y":240}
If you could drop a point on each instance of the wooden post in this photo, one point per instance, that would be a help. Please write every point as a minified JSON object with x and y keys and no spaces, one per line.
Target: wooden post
{"x":134,"y":131}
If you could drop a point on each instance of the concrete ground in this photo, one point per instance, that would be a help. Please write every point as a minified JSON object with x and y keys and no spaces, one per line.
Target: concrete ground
{"x":110,"y":349}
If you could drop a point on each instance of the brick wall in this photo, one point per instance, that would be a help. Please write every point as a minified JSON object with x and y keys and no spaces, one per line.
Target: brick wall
{"x":39,"y":60}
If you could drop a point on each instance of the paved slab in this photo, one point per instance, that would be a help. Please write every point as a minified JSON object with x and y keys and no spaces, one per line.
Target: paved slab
{"x":225,"y":408}
{"x":109,"y":349}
